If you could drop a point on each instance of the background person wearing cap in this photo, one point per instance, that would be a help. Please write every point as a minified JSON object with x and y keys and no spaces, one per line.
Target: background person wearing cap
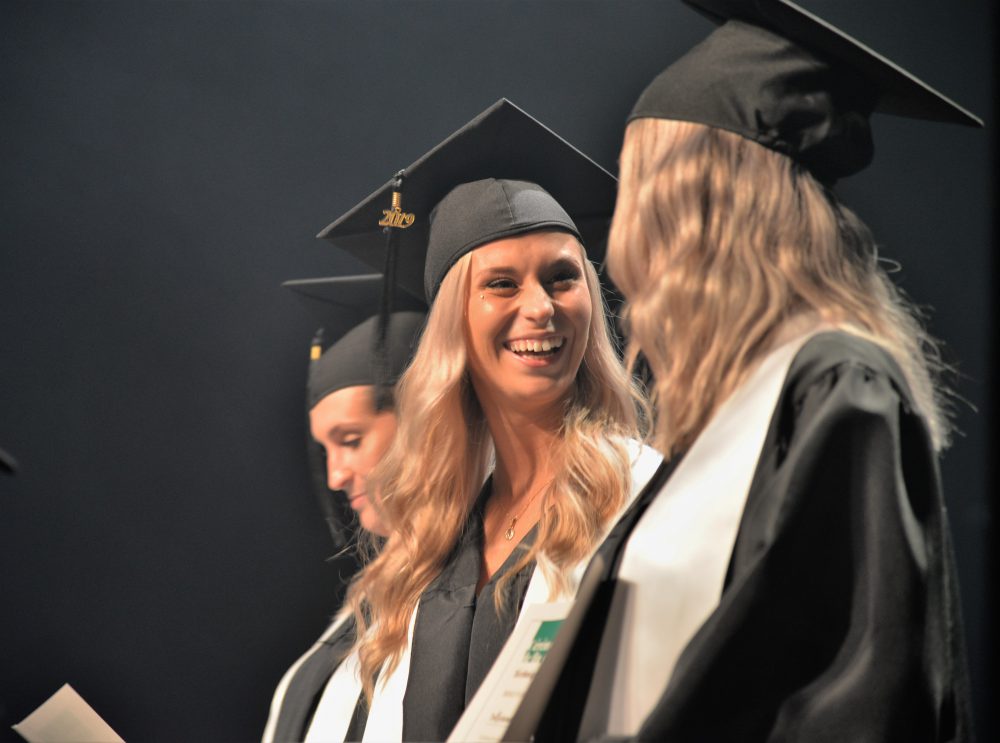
{"x":789,"y":575}
{"x":347,"y":423}
{"x":515,"y":373}
{"x":350,"y":382}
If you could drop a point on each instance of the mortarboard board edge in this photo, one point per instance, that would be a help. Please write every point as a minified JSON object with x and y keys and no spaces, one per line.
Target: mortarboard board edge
{"x":773,"y":14}
{"x":311,"y":288}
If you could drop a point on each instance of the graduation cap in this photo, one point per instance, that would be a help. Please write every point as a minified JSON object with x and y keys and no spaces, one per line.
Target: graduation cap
{"x":341,"y":305}
{"x":790,"y":81}
{"x":502,"y":174}
{"x":351,"y":302}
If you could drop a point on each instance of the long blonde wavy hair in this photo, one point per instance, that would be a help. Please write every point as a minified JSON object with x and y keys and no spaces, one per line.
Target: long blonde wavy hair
{"x":430,"y":477}
{"x":718,"y":243}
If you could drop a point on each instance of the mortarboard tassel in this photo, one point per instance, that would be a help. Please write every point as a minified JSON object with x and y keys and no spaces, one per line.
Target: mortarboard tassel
{"x":393,"y":220}
{"x":316,"y":347}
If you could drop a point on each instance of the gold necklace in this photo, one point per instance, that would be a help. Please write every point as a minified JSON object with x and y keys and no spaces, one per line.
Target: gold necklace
{"x":509,"y":534}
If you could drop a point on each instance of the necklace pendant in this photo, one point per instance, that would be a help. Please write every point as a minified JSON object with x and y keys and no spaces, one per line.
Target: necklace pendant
{"x":509,"y":534}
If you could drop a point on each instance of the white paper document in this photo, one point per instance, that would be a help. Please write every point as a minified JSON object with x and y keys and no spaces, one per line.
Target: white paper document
{"x":489,"y":713}
{"x":66,"y":718}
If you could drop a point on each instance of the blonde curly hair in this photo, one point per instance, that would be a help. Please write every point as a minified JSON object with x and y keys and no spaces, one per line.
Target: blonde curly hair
{"x":718,"y":243}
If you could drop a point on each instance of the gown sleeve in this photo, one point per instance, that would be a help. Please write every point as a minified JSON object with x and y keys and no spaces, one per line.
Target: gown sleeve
{"x":839,"y":620}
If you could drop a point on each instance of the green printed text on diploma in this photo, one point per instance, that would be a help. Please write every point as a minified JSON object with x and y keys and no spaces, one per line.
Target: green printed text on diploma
{"x":542,"y":641}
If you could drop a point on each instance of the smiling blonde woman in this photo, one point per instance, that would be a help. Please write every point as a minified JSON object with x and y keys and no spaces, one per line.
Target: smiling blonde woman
{"x":515,"y":450}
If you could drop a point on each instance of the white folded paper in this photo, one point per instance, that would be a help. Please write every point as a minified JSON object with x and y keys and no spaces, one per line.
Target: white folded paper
{"x":66,"y":718}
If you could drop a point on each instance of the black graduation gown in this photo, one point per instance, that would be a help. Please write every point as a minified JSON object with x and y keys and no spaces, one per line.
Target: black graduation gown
{"x":839,"y":618}
{"x":458,"y":635}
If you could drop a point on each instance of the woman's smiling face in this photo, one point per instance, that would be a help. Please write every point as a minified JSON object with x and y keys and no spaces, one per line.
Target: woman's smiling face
{"x":527,"y":319}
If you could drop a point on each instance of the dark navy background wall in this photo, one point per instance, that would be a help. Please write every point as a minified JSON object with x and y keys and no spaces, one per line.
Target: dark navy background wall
{"x":164,"y":165}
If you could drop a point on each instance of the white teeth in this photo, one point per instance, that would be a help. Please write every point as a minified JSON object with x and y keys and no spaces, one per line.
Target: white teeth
{"x":532,"y":346}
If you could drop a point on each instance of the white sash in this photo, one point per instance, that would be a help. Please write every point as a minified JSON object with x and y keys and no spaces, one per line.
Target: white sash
{"x":385,"y":718}
{"x":675,"y":562}
{"x":336,"y":706}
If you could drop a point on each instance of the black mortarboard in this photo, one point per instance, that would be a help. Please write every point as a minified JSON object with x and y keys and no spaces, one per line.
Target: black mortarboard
{"x":788,"y":80}
{"x":350,"y":361}
{"x":502,"y":174}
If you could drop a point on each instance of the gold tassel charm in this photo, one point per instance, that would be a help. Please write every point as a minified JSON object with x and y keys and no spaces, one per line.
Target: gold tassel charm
{"x":395,"y":216}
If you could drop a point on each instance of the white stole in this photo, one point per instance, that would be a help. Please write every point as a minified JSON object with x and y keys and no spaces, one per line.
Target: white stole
{"x":385,"y":717}
{"x":336,"y":706}
{"x":675,"y":562}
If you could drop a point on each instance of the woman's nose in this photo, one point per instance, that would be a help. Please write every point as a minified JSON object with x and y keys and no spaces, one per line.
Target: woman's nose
{"x":537,"y":304}
{"x":337,"y":476}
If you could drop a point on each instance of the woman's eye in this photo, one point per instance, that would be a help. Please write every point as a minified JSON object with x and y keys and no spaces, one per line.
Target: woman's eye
{"x":564,"y":280}
{"x":351,"y":442}
{"x":501,"y":285}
